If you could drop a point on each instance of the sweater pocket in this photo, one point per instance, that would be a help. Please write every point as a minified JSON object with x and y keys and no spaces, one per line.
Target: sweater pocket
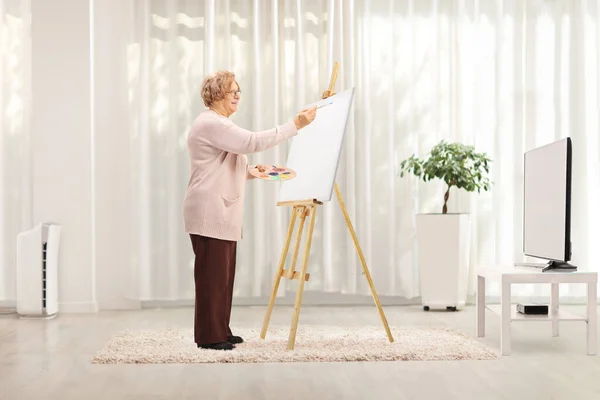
{"x":229,"y":200}
{"x":231,"y":209}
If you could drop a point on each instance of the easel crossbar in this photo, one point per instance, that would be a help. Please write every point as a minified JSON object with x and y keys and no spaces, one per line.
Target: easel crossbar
{"x":300,"y":203}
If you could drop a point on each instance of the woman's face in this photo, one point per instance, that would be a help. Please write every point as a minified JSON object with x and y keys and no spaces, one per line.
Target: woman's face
{"x":230,"y":103}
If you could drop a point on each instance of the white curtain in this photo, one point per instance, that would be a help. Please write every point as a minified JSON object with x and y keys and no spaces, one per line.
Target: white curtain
{"x":15,"y":189}
{"x":505,"y":76}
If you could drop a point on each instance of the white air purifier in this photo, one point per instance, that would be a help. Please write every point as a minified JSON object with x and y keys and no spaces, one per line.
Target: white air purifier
{"x":37,"y":271}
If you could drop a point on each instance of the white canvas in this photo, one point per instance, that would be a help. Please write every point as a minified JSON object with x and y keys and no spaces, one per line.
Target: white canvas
{"x":315,"y":151}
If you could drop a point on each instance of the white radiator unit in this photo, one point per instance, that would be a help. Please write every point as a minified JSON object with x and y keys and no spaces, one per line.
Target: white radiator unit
{"x":37,"y":271}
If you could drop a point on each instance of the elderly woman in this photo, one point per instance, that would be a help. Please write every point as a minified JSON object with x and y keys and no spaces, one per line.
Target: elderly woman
{"x":214,"y":201}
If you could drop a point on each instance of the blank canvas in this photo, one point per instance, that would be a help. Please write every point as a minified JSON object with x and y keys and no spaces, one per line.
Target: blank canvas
{"x":315,"y":151}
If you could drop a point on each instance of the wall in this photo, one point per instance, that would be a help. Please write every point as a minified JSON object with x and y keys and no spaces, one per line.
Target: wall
{"x":62,"y":170}
{"x":80,"y":151}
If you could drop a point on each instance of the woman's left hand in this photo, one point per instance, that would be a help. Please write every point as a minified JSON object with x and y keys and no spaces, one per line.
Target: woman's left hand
{"x":261,"y":168}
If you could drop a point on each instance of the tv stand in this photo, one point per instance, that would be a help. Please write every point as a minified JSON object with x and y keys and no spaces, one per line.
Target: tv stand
{"x":507,"y":276}
{"x":559,"y":266}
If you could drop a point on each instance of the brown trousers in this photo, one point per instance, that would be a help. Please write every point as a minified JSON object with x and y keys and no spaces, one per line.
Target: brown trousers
{"x":214,"y":273}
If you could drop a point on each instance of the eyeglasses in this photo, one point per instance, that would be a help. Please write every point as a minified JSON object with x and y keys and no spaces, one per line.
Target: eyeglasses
{"x":238,"y":92}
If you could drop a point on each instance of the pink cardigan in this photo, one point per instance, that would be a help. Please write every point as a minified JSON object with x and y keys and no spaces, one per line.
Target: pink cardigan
{"x":214,"y":200}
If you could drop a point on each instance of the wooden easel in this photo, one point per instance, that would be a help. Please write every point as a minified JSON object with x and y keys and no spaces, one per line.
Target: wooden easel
{"x":302,"y":210}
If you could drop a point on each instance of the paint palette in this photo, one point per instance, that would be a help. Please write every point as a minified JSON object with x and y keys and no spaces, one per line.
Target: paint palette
{"x":273,"y":173}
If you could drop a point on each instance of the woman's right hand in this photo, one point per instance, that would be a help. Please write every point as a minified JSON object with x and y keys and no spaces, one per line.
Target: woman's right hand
{"x":305,"y":117}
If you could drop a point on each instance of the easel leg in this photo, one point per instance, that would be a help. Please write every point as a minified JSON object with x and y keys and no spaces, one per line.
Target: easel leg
{"x":363,"y":262}
{"x":302,"y":211}
{"x":282,"y":259}
{"x":292,"y":337}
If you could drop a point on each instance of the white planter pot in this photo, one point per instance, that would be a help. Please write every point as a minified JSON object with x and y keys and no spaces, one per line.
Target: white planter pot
{"x":443,"y":250}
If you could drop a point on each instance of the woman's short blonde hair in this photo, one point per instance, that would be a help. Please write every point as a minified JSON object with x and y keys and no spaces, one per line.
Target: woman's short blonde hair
{"x":215,"y":86}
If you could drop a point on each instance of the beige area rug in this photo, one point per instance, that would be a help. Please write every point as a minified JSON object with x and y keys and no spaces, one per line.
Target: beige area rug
{"x":313,"y":344}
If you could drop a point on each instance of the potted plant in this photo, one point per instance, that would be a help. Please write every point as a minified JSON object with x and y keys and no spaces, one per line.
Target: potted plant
{"x":443,"y":238}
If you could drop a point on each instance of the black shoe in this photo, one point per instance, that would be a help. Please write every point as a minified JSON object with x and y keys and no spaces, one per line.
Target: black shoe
{"x":217,"y":346}
{"x":235,"y":339}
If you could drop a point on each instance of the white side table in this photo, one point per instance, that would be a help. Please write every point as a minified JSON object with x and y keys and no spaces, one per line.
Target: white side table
{"x":509,"y":275}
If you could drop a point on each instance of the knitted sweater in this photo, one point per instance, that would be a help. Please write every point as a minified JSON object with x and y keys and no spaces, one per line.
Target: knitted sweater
{"x":214,"y":200}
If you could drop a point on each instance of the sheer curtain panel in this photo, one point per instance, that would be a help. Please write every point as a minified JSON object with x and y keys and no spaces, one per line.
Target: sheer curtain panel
{"x":15,"y":107}
{"x":505,"y":76}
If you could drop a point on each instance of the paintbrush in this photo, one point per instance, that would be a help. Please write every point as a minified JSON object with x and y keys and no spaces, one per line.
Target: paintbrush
{"x":324,"y":105}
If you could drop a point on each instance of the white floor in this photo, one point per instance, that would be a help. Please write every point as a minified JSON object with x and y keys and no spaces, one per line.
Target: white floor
{"x":51,"y":360}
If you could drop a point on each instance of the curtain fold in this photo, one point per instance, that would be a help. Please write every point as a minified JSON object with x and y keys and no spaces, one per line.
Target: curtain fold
{"x":505,"y":76}
{"x":15,"y":156}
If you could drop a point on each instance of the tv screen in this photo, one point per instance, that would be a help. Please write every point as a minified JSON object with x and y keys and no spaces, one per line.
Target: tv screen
{"x":547,"y":202}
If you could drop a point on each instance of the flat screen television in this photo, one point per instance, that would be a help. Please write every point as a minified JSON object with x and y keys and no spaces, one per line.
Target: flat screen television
{"x":547,"y":205}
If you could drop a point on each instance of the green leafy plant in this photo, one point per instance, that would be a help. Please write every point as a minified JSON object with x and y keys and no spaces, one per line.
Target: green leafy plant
{"x":455,"y":164}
